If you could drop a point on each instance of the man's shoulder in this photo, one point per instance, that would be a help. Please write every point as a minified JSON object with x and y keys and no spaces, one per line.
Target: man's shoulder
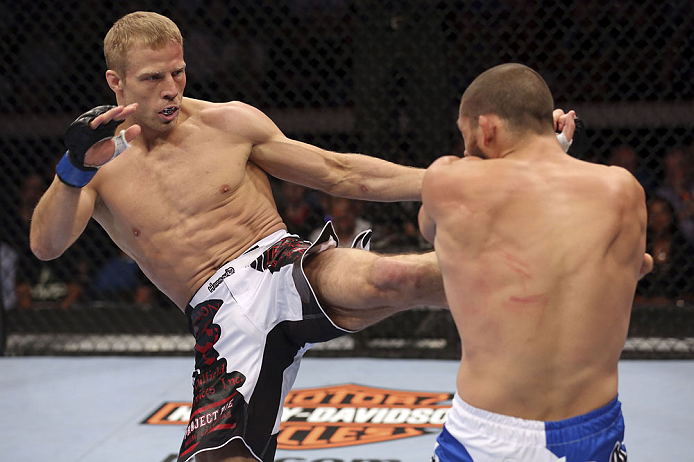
{"x":618,"y":178}
{"x":210,"y":111}
{"x":441,"y":172}
{"x":233,"y":117}
{"x":628,"y":185}
{"x":454,"y":179}
{"x":453,"y":166}
{"x":615,"y":185}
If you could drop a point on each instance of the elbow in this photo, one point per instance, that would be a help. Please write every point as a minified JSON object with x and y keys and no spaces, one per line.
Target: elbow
{"x":341,"y":180}
{"x":43,"y":251}
{"x":353,"y":187}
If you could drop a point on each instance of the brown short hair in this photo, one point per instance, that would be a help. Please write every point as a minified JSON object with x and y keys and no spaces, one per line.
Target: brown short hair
{"x":515,"y":93}
{"x":140,"y":27}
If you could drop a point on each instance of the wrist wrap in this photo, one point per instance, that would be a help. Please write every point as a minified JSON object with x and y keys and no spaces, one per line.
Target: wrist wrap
{"x":79,"y":137}
{"x":69,"y":174}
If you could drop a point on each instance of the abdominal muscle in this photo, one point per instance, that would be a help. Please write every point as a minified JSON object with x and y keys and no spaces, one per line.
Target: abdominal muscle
{"x":179,"y":251}
{"x":180,"y":272}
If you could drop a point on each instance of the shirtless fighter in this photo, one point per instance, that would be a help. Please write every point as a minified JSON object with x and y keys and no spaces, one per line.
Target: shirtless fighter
{"x":540,"y":255}
{"x":189,"y":200}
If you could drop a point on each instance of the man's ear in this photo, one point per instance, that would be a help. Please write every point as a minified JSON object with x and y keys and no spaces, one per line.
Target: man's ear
{"x":488,"y":124}
{"x":114,"y":81}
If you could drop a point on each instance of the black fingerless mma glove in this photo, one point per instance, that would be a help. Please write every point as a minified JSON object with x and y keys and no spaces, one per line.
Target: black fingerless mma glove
{"x":79,"y":137}
{"x":580,"y":140}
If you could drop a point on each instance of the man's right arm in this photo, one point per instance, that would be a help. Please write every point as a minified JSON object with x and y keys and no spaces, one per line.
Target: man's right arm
{"x":59,"y":218}
{"x":64,"y":210}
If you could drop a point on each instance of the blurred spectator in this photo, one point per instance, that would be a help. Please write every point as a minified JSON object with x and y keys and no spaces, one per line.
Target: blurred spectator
{"x":678,"y":189}
{"x":299,"y":207}
{"x":121,"y":280}
{"x":625,"y":156}
{"x":8,"y":274}
{"x":400,"y":232}
{"x":346,"y":217}
{"x":14,"y":239}
{"x":15,"y":236}
{"x":8,"y":296}
{"x":42,"y":284}
{"x":670,"y":282}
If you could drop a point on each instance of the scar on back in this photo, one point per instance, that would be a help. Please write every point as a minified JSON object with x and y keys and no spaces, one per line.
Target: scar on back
{"x":537,"y":298}
{"x":517,"y":265}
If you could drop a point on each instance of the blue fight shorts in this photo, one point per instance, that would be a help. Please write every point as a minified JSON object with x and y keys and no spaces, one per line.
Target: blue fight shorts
{"x":474,"y":435}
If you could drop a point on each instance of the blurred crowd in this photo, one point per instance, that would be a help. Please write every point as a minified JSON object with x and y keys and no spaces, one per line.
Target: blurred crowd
{"x":94,"y":271}
{"x":670,"y":232}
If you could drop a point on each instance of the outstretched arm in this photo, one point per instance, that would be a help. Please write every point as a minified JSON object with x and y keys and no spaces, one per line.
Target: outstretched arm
{"x":355,"y":176}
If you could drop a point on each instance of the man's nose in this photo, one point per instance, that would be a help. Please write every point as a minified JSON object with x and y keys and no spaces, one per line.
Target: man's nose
{"x":169,"y":90}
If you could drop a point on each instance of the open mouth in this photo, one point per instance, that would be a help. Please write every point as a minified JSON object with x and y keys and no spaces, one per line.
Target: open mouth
{"x":169,"y":111}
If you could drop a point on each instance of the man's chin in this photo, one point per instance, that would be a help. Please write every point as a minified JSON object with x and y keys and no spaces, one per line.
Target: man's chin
{"x":163,"y":125}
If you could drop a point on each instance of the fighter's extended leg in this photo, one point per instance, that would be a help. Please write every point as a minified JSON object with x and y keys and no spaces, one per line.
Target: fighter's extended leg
{"x":358,"y":288}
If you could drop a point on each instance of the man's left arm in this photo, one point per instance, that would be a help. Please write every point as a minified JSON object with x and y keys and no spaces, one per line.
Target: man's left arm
{"x":355,"y":176}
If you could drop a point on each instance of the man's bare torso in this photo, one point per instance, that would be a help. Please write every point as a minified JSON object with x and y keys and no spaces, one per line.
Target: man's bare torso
{"x":540,"y":261}
{"x":188,"y":204}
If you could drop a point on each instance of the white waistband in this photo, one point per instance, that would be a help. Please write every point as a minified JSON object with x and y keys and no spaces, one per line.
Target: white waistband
{"x":230,"y":267}
{"x":465,"y":420}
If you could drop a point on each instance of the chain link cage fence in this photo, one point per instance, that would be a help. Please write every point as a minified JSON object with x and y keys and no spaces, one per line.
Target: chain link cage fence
{"x":374,"y":76}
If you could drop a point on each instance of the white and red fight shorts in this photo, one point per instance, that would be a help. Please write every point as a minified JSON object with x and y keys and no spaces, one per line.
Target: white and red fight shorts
{"x":252,"y":321}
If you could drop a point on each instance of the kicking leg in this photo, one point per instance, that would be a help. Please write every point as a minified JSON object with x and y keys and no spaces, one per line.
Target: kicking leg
{"x":358,"y":288}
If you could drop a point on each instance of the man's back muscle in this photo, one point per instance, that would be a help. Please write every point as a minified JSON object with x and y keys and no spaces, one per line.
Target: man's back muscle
{"x":529,"y":249}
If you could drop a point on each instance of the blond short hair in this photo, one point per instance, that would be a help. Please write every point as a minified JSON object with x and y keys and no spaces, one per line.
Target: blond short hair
{"x":141,"y":28}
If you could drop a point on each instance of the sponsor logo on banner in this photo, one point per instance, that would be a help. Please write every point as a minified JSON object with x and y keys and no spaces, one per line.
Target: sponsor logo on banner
{"x":342,"y":415}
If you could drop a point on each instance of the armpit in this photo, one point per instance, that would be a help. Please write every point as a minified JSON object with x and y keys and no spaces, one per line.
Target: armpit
{"x":101,"y":213}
